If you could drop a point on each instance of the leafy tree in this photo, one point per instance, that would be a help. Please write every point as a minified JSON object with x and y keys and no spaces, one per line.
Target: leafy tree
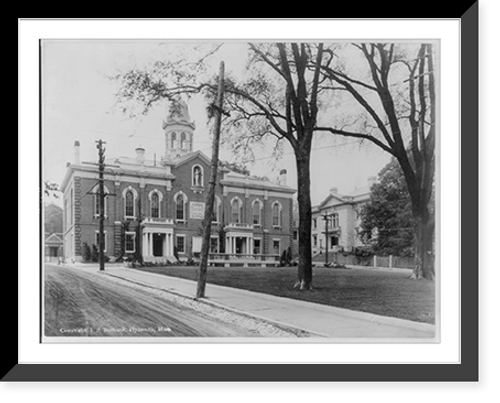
{"x":387,"y":220}
{"x":51,"y":189}
{"x":53,"y":219}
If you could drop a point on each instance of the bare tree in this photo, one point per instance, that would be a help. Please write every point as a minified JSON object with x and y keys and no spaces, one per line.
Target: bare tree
{"x":415,"y":153}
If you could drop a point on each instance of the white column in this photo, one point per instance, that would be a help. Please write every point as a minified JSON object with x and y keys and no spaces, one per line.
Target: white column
{"x":164,"y":245}
{"x":144,"y":245}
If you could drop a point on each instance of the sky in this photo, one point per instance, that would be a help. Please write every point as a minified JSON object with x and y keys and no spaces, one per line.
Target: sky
{"x":78,"y":103}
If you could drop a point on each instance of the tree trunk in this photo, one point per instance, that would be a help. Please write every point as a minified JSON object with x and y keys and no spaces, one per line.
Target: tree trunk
{"x":424,"y":247}
{"x":304,"y":280}
{"x":209,"y":205}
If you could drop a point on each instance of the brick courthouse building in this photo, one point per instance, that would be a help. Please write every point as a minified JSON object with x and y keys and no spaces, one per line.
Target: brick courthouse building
{"x":163,"y":203}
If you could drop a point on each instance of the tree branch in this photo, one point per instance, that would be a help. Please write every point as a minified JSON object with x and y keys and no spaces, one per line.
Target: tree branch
{"x":359,"y":136}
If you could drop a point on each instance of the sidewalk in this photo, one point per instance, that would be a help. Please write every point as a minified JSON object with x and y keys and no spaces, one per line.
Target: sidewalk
{"x":325,"y":321}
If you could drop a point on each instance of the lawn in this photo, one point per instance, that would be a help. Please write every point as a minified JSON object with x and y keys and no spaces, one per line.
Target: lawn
{"x":368,"y":290}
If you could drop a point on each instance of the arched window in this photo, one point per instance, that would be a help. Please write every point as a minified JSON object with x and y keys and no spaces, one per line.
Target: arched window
{"x":183,"y":140}
{"x":155,"y":206}
{"x":276,"y":214}
{"x":180,"y":201}
{"x":129,"y":197}
{"x":129,"y":204}
{"x":217,"y":206}
{"x":155,"y":198}
{"x":257,"y":212}
{"x":197,"y":177}
{"x":236,"y":205}
{"x":173,"y":140}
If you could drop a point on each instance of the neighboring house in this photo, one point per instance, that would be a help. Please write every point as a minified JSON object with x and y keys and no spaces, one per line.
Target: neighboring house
{"x":53,"y":246}
{"x":166,"y":200}
{"x":344,"y":220}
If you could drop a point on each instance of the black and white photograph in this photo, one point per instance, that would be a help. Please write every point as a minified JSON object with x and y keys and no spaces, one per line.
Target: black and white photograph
{"x":240,"y":190}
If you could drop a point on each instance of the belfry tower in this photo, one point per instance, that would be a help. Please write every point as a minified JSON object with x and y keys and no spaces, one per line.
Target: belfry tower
{"x":179,"y":130}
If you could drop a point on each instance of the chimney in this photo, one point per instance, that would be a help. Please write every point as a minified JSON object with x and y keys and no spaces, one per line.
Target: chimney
{"x":140,"y":154}
{"x":334,"y":191}
{"x":77,"y":153}
{"x":282,"y":177}
{"x":371,"y":180}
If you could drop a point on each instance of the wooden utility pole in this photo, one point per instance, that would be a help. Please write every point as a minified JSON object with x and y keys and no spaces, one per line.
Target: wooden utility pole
{"x":209,"y":207}
{"x":101,"y":202}
{"x":327,"y":216}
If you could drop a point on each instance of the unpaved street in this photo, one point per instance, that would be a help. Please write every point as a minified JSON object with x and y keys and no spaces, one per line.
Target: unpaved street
{"x":82,"y":303}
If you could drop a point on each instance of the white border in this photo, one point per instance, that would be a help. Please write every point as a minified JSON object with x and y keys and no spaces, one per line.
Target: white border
{"x":30,"y":351}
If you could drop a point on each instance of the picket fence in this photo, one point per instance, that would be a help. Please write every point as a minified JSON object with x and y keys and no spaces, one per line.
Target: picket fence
{"x":369,"y":261}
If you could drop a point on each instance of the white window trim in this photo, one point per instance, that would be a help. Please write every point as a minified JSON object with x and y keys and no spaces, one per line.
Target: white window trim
{"x":94,"y":192}
{"x":217,"y":204}
{"x":260,"y":246}
{"x":261,"y":205}
{"x":279,"y":243}
{"x":133,"y":234}
{"x":160,"y":199}
{"x":202,"y":177}
{"x":105,"y":240}
{"x":173,"y":140}
{"x":218,"y":242}
{"x":185,"y":198}
{"x":180,"y":236}
{"x":240,"y":205}
{"x":280,"y":211}
{"x":135,"y":195}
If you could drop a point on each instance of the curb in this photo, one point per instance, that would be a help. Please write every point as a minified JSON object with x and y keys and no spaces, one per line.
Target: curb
{"x":282,"y":326}
{"x":358,"y":315}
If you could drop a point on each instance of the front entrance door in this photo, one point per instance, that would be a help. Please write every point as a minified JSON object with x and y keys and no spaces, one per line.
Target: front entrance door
{"x":158,"y":244}
{"x":239,"y":245}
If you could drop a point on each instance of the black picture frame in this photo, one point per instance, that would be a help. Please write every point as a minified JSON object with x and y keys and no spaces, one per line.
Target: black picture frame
{"x":465,"y":371}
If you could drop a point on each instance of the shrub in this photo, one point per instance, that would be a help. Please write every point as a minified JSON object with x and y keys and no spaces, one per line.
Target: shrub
{"x":86,"y":253}
{"x":95,"y":254}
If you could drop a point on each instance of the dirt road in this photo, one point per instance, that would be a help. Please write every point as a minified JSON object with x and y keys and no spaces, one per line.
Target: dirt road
{"x":86,"y":304}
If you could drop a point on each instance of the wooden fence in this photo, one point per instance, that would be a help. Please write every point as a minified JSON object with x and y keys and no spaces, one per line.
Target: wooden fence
{"x":368,"y":261}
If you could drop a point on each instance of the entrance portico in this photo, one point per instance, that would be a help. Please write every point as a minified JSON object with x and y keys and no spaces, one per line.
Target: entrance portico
{"x":157,"y":240}
{"x":239,"y":239}
{"x":240,"y":244}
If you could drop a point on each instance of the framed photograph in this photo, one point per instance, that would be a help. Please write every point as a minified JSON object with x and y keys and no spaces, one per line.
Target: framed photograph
{"x":248,"y":200}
